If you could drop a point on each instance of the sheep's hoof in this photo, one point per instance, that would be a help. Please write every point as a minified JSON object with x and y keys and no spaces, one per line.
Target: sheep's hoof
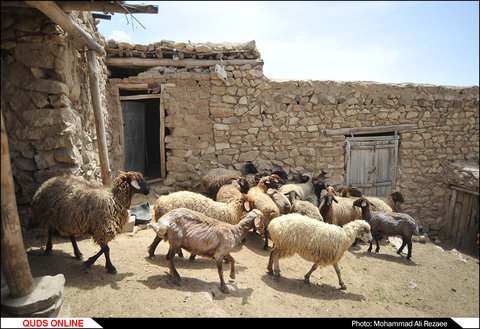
{"x":343,"y":287}
{"x":307,"y":280}
{"x":224,"y":289}
{"x":79,"y":257}
{"x":177,"y":281}
{"x":112,"y":270}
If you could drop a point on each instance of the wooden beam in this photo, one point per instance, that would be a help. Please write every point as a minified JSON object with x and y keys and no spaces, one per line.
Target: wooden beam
{"x":367,"y":130}
{"x":98,"y":114}
{"x":15,"y":265}
{"x":134,"y":62}
{"x":102,"y":6}
{"x":58,"y":16}
{"x":136,"y":97}
{"x":108,"y":7}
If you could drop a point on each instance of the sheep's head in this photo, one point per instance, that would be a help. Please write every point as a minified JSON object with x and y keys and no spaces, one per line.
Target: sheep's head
{"x":134,"y":180}
{"x":257,"y":223}
{"x":248,"y":203}
{"x":397,"y":196}
{"x":363,"y":230}
{"x":243,"y":183}
{"x":354,"y":192}
{"x":344,"y":192}
{"x":328,"y":199}
{"x":362,"y":203}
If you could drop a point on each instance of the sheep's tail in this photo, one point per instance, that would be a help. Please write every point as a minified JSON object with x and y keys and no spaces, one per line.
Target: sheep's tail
{"x":160,"y":228}
{"x":415,"y":230}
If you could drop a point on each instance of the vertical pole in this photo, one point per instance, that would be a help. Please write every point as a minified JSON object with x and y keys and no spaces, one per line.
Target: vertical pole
{"x":163,"y":165}
{"x":15,"y":265}
{"x":98,"y":113}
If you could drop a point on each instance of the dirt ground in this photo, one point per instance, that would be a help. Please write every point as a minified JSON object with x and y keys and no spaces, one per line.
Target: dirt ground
{"x":435,"y":283}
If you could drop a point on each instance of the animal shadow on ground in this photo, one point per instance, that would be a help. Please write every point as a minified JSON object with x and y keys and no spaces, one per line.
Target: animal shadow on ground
{"x":184,"y":267}
{"x":75,"y":272}
{"x":312,"y":290}
{"x":362,"y":252}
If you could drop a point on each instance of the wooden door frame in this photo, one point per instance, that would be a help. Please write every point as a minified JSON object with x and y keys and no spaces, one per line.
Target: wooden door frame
{"x":348,"y":150}
{"x":163,"y":166}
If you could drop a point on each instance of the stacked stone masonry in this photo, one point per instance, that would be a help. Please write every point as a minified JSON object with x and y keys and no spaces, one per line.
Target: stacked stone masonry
{"x":276,"y":124}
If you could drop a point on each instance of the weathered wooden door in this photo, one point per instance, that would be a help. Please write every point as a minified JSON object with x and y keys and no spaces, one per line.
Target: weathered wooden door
{"x":134,"y":135}
{"x":371,"y":163}
{"x":461,"y":225}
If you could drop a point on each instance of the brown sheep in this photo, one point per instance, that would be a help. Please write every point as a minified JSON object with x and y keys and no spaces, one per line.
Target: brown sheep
{"x":75,"y":207}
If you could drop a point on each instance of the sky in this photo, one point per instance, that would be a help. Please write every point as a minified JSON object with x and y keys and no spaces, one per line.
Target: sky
{"x":424,"y":42}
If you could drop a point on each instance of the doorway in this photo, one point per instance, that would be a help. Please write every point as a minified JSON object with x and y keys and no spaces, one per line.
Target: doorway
{"x":371,"y":163}
{"x":142,"y":130}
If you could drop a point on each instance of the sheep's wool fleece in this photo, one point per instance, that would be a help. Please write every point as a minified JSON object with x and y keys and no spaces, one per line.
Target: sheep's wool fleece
{"x":314,"y":240}
{"x":73,"y":206}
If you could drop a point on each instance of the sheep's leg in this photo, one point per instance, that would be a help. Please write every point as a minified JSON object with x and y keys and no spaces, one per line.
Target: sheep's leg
{"x":337,"y":269}
{"x":153,"y":246}
{"x":223,"y":286}
{"x":274,"y":255}
{"x":265,"y":246}
{"x":108,"y":264}
{"x":370,"y":247}
{"x":76,"y":251}
{"x":171,"y":265}
{"x":378,"y":246}
{"x":232,"y":266}
{"x":92,"y":259}
{"x":48,"y":247}
{"x":407,"y":242}
{"x":307,"y":276}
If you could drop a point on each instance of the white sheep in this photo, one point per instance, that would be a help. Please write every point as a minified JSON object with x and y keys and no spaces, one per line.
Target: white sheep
{"x":217,"y":172}
{"x":303,"y":207}
{"x":304,"y":189}
{"x":283,"y":203}
{"x":75,"y":207}
{"x":339,"y":213}
{"x":322,"y":243}
{"x":204,"y":236}
{"x":263,"y":202}
{"x":231,"y":212}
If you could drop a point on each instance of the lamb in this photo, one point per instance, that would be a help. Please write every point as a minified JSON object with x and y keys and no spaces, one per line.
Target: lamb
{"x":205,"y":236}
{"x":75,"y":207}
{"x":303,"y":207}
{"x":283,"y":203}
{"x":339,"y":213}
{"x":314,"y":240}
{"x":388,"y":224}
{"x":227,"y":212}
{"x":217,"y":182}
{"x":263,"y":202}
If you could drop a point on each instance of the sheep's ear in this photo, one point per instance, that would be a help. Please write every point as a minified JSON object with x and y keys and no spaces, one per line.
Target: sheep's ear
{"x":134,"y":183}
{"x":121,"y":172}
{"x":246,"y":205}
{"x":258,"y":221}
{"x":334,"y":199}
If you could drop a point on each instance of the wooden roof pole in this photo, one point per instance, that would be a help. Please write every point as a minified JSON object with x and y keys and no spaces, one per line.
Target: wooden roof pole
{"x":15,"y":265}
{"x":57,"y":15}
{"x":98,"y":113}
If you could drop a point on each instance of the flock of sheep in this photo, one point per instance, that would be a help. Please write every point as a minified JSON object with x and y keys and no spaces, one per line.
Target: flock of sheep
{"x":307,"y":217}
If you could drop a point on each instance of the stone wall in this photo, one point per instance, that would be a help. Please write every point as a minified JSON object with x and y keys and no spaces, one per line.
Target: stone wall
{"x":283,"y":124}
{"x":45,"y":99}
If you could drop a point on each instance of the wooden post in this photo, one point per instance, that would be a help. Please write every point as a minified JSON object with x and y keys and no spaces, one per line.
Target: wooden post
{"x":163,"y":165}
{"x":58,"y":16}
{"x":98,"y":113}
{"x":15,"y":265}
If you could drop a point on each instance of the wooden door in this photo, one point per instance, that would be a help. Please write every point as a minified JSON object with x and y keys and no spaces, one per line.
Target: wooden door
{"x":461,"y":225}
{"x":134,"y":135}
{"x":371,"y":164}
